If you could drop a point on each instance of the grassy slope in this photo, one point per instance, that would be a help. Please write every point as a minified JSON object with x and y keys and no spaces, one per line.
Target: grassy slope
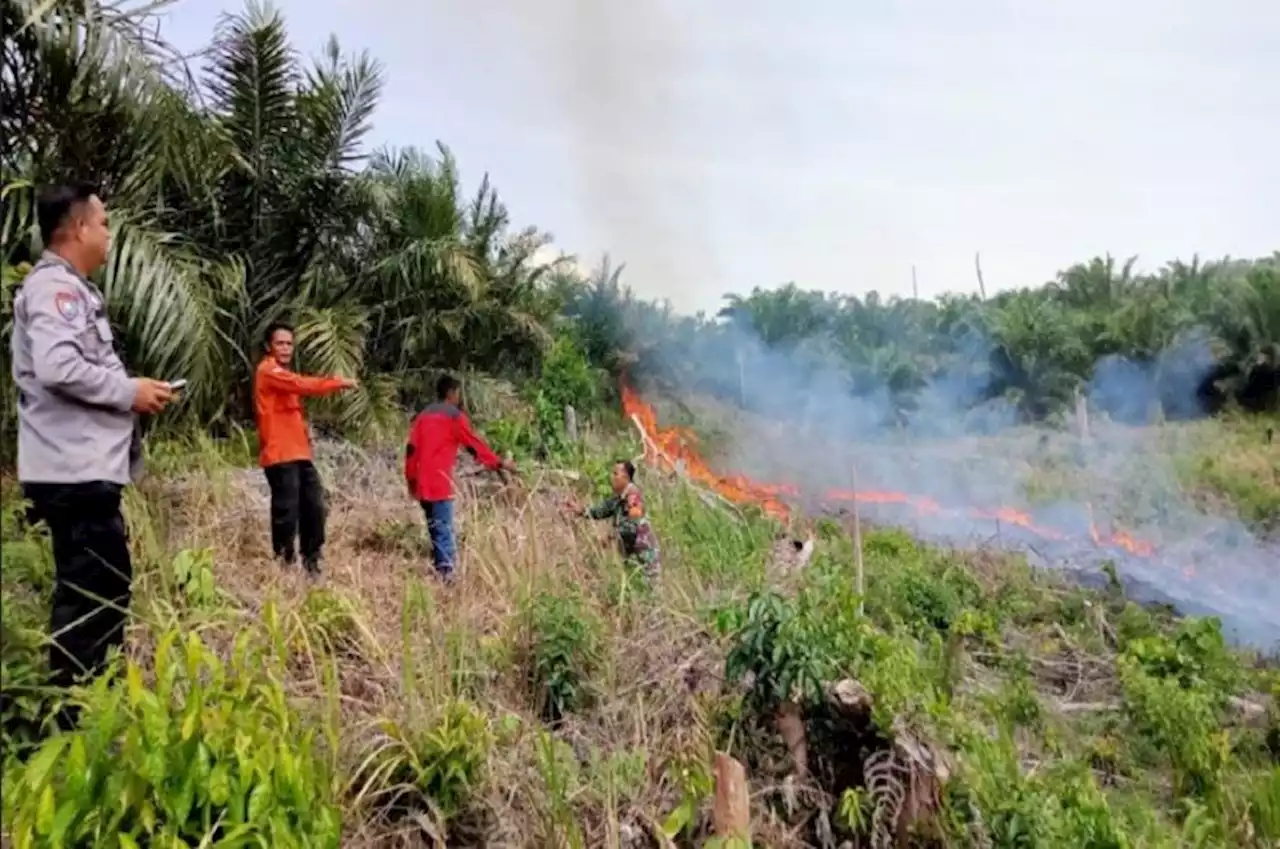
{"x":1059,"y":717}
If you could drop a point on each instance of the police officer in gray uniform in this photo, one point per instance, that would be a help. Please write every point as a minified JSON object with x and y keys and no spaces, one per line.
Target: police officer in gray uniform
{"x":76,"y":430}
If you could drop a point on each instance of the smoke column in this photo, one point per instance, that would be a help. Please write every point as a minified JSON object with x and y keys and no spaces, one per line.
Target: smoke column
{"x":621,"y":80}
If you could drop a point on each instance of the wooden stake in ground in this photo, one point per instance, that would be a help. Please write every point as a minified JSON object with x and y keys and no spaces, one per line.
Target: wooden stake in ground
{"x":571,"y":423}
{"x":1082,"y":416}
{"x":731,"y":815}
{"x":857,"y":541}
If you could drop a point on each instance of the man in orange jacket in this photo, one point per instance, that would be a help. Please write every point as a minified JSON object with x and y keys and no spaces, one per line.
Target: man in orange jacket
{"x":297,"y":498}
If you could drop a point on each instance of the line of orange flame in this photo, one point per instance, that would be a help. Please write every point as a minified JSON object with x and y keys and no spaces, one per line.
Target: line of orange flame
{"x":677,"y":445}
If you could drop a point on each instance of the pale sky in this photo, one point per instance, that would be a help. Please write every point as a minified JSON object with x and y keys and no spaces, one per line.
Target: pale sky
{"x":836,"y":144}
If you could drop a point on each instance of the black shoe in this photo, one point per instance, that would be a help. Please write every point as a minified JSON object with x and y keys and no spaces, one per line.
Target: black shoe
{"x":312,"y":566}
{"x":287,"y":558}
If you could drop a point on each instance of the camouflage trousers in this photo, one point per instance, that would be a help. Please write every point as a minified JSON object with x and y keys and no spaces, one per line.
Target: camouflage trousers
{"x":648,"y":561}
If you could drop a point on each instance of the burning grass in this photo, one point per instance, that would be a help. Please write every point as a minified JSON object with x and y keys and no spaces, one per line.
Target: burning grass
{"x":551,"y":698}
{"x":1186,"y":512}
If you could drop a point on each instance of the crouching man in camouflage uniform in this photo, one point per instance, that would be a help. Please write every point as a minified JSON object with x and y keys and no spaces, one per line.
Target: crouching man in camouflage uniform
{"x":626,"y":508}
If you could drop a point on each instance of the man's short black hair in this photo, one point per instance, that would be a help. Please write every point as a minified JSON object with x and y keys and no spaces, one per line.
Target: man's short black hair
{"x":629,"y":466}
{"x":446,"y":384}
{"x":55,"y":204}
{"x":275,"y":326}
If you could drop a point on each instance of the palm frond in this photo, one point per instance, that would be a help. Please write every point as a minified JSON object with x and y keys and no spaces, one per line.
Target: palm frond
{"x":339,"y":99}
{"x":81,"y":80}
{"x":18,"y":230}
{"x":332,"y":341}
{"x":171,"y":309}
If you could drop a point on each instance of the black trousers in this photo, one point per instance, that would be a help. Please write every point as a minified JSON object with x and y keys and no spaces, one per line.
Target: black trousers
{"x":93,"y":574}
{"x":297,"y":510}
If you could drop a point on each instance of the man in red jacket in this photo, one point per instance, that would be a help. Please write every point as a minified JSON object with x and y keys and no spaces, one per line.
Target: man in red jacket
{"x":297,"y":497}
{"x":432,"y":450}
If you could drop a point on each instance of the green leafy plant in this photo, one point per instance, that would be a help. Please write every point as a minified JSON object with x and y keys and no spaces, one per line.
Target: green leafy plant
{"x":854,"y":811}
{"x":562,"y":648}
{"x":211,"y":752}
{"x":1195,"y":655}
{"x":193,"y":574}
{"x":787,"y":648}
{"x":435,"y":768}
{"x":695,"y":784}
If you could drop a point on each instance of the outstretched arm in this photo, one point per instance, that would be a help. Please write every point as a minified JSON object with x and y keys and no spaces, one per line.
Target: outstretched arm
{"x":604,"y":509}
{"x":477,"y":446}
{"x":280,"y":379}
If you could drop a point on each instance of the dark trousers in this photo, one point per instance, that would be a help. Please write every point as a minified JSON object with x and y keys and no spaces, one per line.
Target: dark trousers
{"x":297,"y":511}
{"x":93,"y":574}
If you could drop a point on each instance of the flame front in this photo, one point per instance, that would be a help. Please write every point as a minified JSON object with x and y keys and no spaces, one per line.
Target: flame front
{"x":677,"y":447}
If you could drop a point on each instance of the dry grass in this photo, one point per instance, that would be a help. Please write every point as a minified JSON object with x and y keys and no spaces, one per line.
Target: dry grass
{"x":423,"y":644}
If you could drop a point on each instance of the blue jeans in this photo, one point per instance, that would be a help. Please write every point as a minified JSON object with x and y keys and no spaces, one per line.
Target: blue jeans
{"x":440,"y":528}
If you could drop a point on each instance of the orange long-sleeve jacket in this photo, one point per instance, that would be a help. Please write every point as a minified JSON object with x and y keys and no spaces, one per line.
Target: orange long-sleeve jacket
{"x":277,"y":402}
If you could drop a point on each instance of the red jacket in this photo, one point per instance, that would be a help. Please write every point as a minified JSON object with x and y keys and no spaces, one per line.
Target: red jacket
{"x":429,"y":457}
{"x":277,"y":401}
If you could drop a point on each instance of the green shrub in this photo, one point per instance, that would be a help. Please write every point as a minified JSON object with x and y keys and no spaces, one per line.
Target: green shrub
{"x":517,"y":435}
{"x":561,"y":651}
{"x":23,"y":668}
{"x":435,"y":767}
{"x":924,"y":593}
{"x":26,"y":559}
{"x":790,"y":647}
{"x":193,"y":576}
{"x":1175,"y":687}
{"x":1195,"y":655}
{"x":329,"y":621}
{"x":787,"y":648}
{"x":993,"y":802}
{"x":26,"y":585}
{"x":568,"y":378}
{"x":1264,"y":807}
{"x":210,"y":753}
{"x":1180,"y":723}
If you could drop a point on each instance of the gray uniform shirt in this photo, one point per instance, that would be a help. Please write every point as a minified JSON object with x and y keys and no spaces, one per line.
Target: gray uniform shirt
{"x":75,"y":419}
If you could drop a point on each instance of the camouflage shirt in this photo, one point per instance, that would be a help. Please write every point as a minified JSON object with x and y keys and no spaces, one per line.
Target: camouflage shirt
{"x":635,"y":535}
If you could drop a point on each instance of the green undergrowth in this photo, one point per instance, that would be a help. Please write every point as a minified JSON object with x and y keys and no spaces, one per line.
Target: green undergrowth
{"x":967,"y":659}
{"x":1238,"y":463}
{"x":995,"y":705}
{"x":206,"y":751}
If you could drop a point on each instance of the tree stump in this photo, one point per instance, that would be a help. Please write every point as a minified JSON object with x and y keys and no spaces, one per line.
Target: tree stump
{"x":731,"y":815}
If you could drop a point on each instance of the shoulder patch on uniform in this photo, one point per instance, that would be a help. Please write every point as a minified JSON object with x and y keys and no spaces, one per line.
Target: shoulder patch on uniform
{"x":68,"y":304}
